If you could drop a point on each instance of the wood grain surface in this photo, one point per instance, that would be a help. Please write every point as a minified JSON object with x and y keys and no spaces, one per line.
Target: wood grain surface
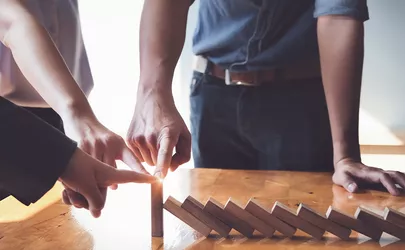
{"x":125,"y":221}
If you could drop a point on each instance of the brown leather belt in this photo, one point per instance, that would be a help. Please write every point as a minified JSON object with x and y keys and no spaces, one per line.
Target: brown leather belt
{"x":262,"y":77}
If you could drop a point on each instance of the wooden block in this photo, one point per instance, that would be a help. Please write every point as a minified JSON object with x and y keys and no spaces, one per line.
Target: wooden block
{"x":157,"y":209}
{"x":394,"y":217}
{"x":263,"y":214}
{"x":315,"y":218}
{"x":374,"y":220}
{"x":353,"y":223}
{"x":235,"y":209}
{"x":216,"y":209}
{"x":195,"y":208}
{"x":289,"y":216}
{"x":174,"y":206}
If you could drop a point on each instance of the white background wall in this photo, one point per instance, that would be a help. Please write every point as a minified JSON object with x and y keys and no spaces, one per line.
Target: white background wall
{"x":383,"y":97}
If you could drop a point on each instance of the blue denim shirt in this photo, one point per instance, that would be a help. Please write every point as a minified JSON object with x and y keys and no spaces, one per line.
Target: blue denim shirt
{"x":246,"y":35}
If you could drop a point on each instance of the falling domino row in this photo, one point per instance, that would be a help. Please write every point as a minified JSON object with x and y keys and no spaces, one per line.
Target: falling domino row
{"x":222,"y":218}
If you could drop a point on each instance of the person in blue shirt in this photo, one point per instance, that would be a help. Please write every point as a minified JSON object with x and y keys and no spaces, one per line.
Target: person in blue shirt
{"x":276,"y":86}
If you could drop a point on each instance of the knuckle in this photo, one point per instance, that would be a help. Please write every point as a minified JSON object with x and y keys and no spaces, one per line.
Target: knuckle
{"x":187,"y":135}
{"x":167,"y":132}
{"x":151,"y":138}
{"x":385,"y":176}
{"x":139,"y":139}
{"x":163,"y":151}
{"x":99,"y":144}
{"x":398,"y":173}
{"x":112,"y":139}
{"x":84,"y":144}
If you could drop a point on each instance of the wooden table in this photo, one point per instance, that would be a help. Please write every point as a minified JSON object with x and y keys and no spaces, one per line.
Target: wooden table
{"x":125,"y":222}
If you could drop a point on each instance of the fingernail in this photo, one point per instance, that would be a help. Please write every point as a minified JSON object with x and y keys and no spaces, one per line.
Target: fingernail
{"x":351,"y":187}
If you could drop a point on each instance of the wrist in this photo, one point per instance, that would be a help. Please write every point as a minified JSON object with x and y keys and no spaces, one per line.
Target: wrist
{"x":346,"y":150}
{"x":74,"y":112}
{"x":153,"y":88}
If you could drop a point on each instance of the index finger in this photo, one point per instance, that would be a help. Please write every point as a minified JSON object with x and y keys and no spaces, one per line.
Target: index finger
{"x":129,"y":158}
{"x":120,"y":176}
{"x":164,"y":157}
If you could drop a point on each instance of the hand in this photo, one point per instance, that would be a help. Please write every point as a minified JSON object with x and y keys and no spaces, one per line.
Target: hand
{"x":350,"y":174}
{"x":103,"y":144}
{"x":156,"y":129}
{"x":90,"y":178}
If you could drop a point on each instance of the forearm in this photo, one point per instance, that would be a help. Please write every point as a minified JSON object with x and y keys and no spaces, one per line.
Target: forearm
{"x":341,"y":47}
{"x":40,"y":61}
{"x":162,"y":35}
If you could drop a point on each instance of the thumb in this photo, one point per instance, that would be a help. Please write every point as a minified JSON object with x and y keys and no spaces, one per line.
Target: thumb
{"x":347,"y":181}
{"x":120,"y":176}
{"x":350,"y":184}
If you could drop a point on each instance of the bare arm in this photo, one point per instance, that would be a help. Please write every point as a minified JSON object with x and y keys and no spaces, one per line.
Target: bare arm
{"x":341,"y":43}
{"x":341,"y":50}
{"x":39,"y":60}
{"x":162,"y":35}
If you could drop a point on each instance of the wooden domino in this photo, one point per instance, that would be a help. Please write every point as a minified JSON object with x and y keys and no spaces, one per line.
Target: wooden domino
{"x":353,"y":223}
{"x":286,"y":214}
{"x":263,"y":214}
{"x":217,"y":209}
{"x":372,"y":219}
{"x":195,"y":208}
{"x":253,"y":216}
{"x":394,"y":217}
{"x":232,"y":207}
{"x":315,"y":218}
{"x":174,"y":206}
{"x":157,"y":209}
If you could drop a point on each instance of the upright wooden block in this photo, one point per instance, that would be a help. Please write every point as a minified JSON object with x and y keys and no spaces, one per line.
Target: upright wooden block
{"x":374,"y":220}
{"x":157,"y":209}
{"x":216,"y":209}
{"x":233,"y":208}
{"x":263,"y":214}
{"x":174,"y":206}
{"x":394,"y":217}
{"x":353,"y":223}
{"x":315,"y":218}
{"x":289,"y":216}
{"x":195,"y":208}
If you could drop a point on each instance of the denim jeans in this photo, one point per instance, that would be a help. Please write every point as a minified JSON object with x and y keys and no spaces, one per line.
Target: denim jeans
{"x":280,"y":126}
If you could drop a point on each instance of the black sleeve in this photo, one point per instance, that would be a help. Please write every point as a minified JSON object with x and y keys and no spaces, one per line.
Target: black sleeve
{"x":33,"y":154}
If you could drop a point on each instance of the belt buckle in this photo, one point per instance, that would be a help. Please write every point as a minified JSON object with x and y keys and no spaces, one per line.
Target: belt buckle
{"x":228,"y":80}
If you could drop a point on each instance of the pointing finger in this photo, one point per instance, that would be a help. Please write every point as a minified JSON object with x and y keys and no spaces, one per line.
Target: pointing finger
{"x":164,"y":157}
{"x":119,"y":176}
